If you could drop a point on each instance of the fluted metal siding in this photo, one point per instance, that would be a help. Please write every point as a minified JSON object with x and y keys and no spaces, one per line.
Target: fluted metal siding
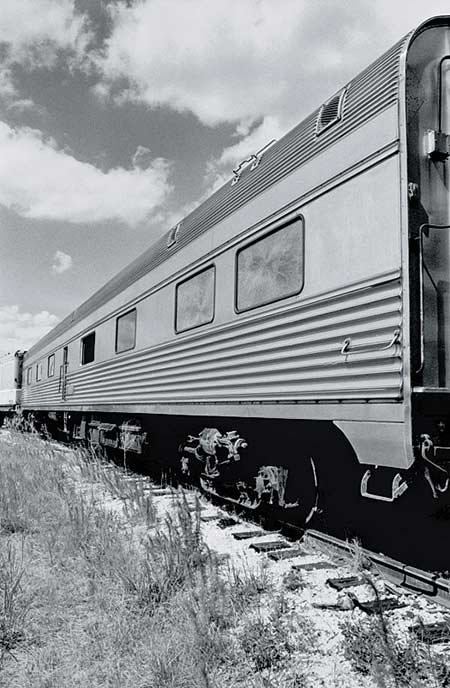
{"x":290,"y":354}
{"x":374,"y":90}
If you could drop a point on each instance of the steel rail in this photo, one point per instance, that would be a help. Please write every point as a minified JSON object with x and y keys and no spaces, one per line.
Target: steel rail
{"x":411,"y":579}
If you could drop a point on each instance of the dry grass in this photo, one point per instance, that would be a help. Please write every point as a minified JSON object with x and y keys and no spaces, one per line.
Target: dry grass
{"x":375,"y":647}
{"x":96,"y":592}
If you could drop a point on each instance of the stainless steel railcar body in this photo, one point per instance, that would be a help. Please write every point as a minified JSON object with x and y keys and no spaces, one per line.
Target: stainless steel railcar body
{"x":363,"y":343}
{"x":10,"y":381}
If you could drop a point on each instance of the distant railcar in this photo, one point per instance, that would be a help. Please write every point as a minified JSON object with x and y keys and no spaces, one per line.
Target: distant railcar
{"x":291,"y":335}
{"x":10,"y":382}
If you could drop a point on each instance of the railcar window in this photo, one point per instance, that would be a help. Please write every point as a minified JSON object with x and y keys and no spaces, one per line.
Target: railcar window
{"x":29,"y":374}
{"x":126,"y":332}
{"x":88,"y":348}
{"x":51,"y":365}
{"x":38,"y":372}
{"x":195,"y":300}
{"x":270,"y":268}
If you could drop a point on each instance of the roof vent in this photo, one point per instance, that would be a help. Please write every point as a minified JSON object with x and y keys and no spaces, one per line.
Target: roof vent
{"x":173,"y":235}
{"x":331,"y":112}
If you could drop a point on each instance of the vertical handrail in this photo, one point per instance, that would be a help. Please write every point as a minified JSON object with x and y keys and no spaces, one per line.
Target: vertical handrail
{"x":62,"y":380}
{"x":441,"y":64}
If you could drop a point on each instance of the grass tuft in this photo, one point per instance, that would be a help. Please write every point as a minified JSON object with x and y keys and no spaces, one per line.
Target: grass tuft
{"x":97,"y":591}
{"x":374,"y":648}
{"x":15,"y":602}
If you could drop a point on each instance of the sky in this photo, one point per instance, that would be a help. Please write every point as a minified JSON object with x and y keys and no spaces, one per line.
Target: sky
{"x":118,"y":117}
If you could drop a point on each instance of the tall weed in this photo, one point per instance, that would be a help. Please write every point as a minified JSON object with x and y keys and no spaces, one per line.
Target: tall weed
{"x":15,"y":602}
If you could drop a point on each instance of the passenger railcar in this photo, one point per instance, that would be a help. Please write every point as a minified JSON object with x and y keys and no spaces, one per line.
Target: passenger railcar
{"x":291,"y":335}
{"x":10,"y":382}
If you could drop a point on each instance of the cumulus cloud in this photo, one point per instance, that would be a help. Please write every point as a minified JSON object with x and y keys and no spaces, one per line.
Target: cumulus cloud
{"x":8,"y":90}
{"x":10,"y":96}
{"x":257,"y":139}
{"x":263,"y":134}
{"x":38,"y":180}
{"x":260,"y":64}
{"x":235,"y":60}
{"x":20,"y":330}
{"x":142,"y":157}
{"x":61,"y":262}
{"x":33,"y":33}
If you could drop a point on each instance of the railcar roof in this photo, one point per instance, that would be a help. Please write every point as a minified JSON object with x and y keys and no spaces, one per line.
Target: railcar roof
{"x":368,"y":94}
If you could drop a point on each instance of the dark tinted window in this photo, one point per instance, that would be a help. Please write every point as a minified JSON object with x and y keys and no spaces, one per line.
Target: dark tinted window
{"x":271,"y":268}
{"x":29,"y":373}
{"x":126,"y":332}
{"x":195,"y":300}
{"x":51,"y":365}
{"x":88,"y":348}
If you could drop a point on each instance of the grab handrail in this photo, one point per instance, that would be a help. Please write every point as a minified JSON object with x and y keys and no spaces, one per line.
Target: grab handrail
{"x":368,"y":348}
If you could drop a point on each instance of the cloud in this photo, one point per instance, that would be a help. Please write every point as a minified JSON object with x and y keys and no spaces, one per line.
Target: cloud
{"x":7,"y":89}
{"x":256,"y":63}
{"x":33,"y":33}
{"x":62,"y":262}
{"x":40,"y":181}
{"x":21,"y":330}
{"x":218,"y":170}
{"x":233,"y":61}
{"x":142,"y":157}
{"x":268,"y":130}
{"x":10,"y":96}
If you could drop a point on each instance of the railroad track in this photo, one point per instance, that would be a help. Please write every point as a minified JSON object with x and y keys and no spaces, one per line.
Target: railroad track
{"x":407,"y":578}
{"x":344,"y":577}
{"x":403,"y":578}
{"x":328,"y":580}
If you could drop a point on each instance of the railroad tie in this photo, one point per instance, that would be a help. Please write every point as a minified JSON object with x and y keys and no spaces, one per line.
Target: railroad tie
{"x":227,"y":522}
{"x":431,"y":633}
{"x":248,"y":534}
{"x":281,"y":554}
{"x":269,"y":546}
{"x":380,"y":604}
{"x":313,"y":565}
{"x":346,"y":582}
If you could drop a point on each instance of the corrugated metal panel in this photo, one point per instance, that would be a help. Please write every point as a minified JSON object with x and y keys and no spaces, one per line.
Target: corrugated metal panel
{"x":9,"y":397}
{"x":374,"y":90}
{"x":289,"y":354}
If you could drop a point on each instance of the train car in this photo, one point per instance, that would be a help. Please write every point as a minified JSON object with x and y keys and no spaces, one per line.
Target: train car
{"x":287,"y":344}
{"x":10,"y":382}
